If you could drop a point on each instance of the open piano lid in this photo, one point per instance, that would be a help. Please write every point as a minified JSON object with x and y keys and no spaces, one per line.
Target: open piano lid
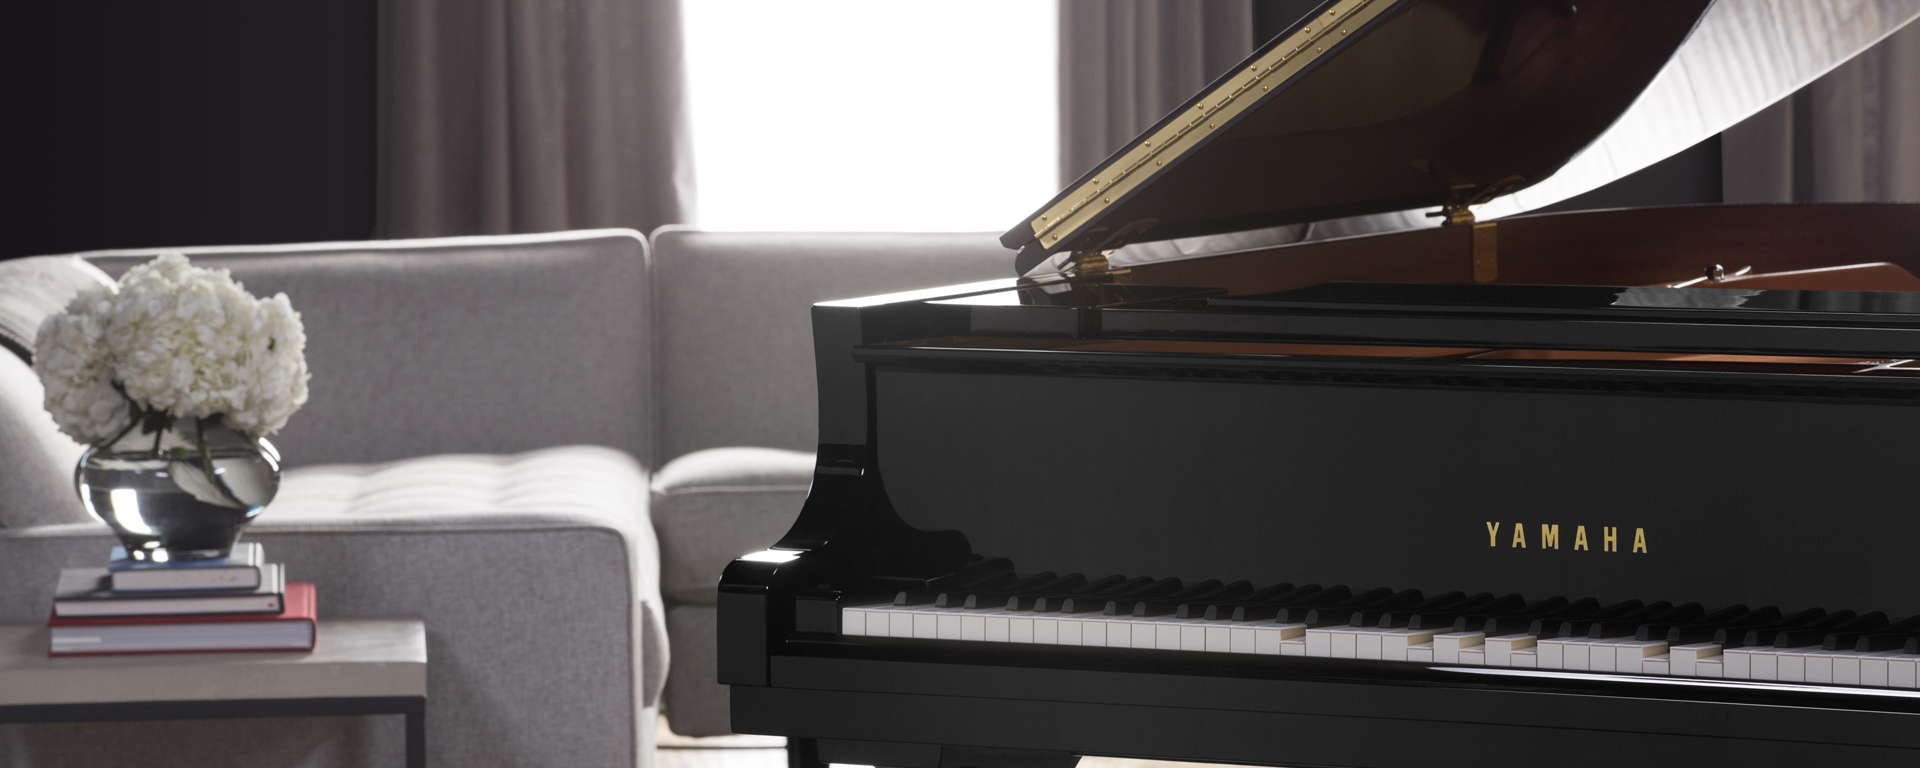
{"x":1370,"y":106}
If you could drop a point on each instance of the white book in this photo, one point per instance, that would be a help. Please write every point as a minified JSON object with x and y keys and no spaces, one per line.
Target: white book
{"x":239,"y":570}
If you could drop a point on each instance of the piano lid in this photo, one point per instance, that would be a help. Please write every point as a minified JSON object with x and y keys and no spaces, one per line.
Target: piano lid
{"x":1371,"y":106}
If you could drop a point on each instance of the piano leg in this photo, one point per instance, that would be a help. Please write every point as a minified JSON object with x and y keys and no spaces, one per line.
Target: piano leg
{"x":804,"y":753}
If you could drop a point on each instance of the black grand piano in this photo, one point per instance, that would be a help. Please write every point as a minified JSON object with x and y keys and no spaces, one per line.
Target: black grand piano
{"x":1587,"y":489}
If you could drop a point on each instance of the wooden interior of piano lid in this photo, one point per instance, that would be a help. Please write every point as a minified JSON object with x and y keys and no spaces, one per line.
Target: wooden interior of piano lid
{"x":1437,"y":98}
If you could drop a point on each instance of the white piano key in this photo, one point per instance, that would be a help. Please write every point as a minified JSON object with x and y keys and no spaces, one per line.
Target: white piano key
{"x":1500,"y":648}
{"x":1193,"y":636}
{"x":1656,"y":665}
{"x":1550,"y":654}
{"x":1046,"y":631}
{"x":853,"y":621}
{"x":1710,"y":667}
{"x":877,"y":620}
{"x":1166,"y":636}
{"x":1394,"y":644}
{"x":1473,"y":656}
{"x":946,"y":625}
{"x":1820,"y":667}
{"x":1526,"y":658}
{"x":1093,"y":633}
{"x":1020,"y":630}
{"x":1630,"y":655}
{"x":1762,"y":664}
{"x":1858,"y":668}
{"x":1422,"y":653}
{"x":973,"y":627}
{"x":1736,"y":664}
{"x":1071,"y":631}
{"x":1320,"y":643}
{"x":926,"y":625}
{"x":1366,"y":643}
{"x":1119,"y":634}
{"x":1901,"y":671}
{"x":997,"y":626}
{"x":1343,"y":643}
{"x":1219,"y":639}
{"x":1682,"y":658}
{"x":1579,"y":653}
{"x":1447,"y":645}
{"x":1267,"y":639}
{"x":1293,"y":646}
{"x":1790,"y":664}
{"x":899,"y":623}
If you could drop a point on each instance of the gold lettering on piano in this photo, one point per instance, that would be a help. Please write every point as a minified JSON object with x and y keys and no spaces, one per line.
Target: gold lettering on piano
{"x":1550,"y":537}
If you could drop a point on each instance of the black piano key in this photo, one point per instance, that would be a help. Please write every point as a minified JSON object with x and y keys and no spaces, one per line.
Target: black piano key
{"x":1208,"y":609}
{"x":1111,"y":585}
{"x":1811,"y":636}
{"x":1339,"y":595}
{"x":1478,"y":619}
{"x":1630,"y":625}
{"x":1261,"y":610}
{"x":1705,"y":631}
{"x":969,"y":581}
{"x":1659,"y":629}
{"x":1912,"y":646}
{"x":1521,"y":621}
{"x":1479,"y":604}
{"x":1023,"y":601}
{"x":1553,"y":625}
{"x":1225,"y":593}
{"x":1123,"y":606}
{"x":1893,"y":638}
{"x":1810,"y":617}
{"x":1341,"y":615}
{"x":1098,"y":603}
{"x":996,"y":598}
{"x":1395,"y":618}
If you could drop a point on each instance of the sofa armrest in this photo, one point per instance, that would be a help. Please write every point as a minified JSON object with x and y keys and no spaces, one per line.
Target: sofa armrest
{"x":713,"y":506}
{"x":458,"y":345}
{"x":545,"y":633}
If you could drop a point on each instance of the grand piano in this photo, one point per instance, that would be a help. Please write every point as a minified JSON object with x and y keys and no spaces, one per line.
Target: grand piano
{"x":1580,"y":489}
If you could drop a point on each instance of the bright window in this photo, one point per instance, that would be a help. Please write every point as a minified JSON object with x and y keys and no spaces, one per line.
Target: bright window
{"x":863,"y":115}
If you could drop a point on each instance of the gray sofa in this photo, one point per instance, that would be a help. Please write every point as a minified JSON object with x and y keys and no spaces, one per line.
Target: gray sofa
{"x":547,"y":445}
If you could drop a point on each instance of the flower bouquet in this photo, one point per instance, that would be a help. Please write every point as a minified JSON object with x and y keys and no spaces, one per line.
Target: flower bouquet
{"x":174,"y":378}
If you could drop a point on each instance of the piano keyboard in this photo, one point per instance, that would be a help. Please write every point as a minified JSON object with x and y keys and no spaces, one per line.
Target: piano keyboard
{"x":1812,"y":646}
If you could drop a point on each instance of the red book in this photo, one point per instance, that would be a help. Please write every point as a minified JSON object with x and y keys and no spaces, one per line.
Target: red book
{"x":293,"y":629}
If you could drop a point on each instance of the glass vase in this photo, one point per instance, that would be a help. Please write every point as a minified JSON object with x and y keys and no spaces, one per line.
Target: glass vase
{"x":178,"y":491}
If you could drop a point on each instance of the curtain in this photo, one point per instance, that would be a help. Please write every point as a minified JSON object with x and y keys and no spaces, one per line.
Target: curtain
{"x":500,"y":116}
{"x":1124,"y":64}
{"x":1851,"y":136}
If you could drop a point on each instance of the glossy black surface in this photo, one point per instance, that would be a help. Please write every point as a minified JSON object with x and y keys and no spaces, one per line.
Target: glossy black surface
{"x":1546,"y":302}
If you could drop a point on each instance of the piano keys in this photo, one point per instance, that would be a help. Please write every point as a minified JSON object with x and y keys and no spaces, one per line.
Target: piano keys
{"x":1837,"y":648}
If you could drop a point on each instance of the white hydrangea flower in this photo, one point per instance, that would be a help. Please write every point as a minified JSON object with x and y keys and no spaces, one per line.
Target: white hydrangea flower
{"x":193,"y":343}
{"x":71,"y":361}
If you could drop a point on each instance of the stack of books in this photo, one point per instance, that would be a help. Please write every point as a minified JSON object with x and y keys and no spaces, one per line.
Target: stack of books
{"x":236,"y":603}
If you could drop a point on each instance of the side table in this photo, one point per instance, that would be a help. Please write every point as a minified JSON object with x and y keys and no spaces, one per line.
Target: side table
{"x":360,"y":666}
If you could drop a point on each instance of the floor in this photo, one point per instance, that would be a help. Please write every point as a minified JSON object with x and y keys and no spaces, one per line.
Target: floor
{"x":771,"y":752}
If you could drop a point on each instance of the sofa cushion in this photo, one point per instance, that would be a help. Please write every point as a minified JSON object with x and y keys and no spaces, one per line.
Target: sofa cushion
{"x":715,"y":505}
{"x":36,"y":460}
{"x":580,"y":486}
{"x":733,"y":319}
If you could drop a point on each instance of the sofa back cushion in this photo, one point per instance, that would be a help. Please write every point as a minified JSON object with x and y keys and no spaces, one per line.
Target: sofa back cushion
{"x":497,"y":344}
{"x":733,"y":309}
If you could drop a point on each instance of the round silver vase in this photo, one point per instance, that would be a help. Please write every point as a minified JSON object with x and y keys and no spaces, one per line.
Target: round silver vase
{"x":185,"y":490}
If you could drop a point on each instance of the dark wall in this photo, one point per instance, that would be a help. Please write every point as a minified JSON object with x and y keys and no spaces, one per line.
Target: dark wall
{"x":134,"y":124}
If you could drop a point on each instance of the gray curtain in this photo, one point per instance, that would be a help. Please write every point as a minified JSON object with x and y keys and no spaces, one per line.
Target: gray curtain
{"x":1851,"y":136}
{"x":1124,"y":64}
{"x":500,"y":116}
